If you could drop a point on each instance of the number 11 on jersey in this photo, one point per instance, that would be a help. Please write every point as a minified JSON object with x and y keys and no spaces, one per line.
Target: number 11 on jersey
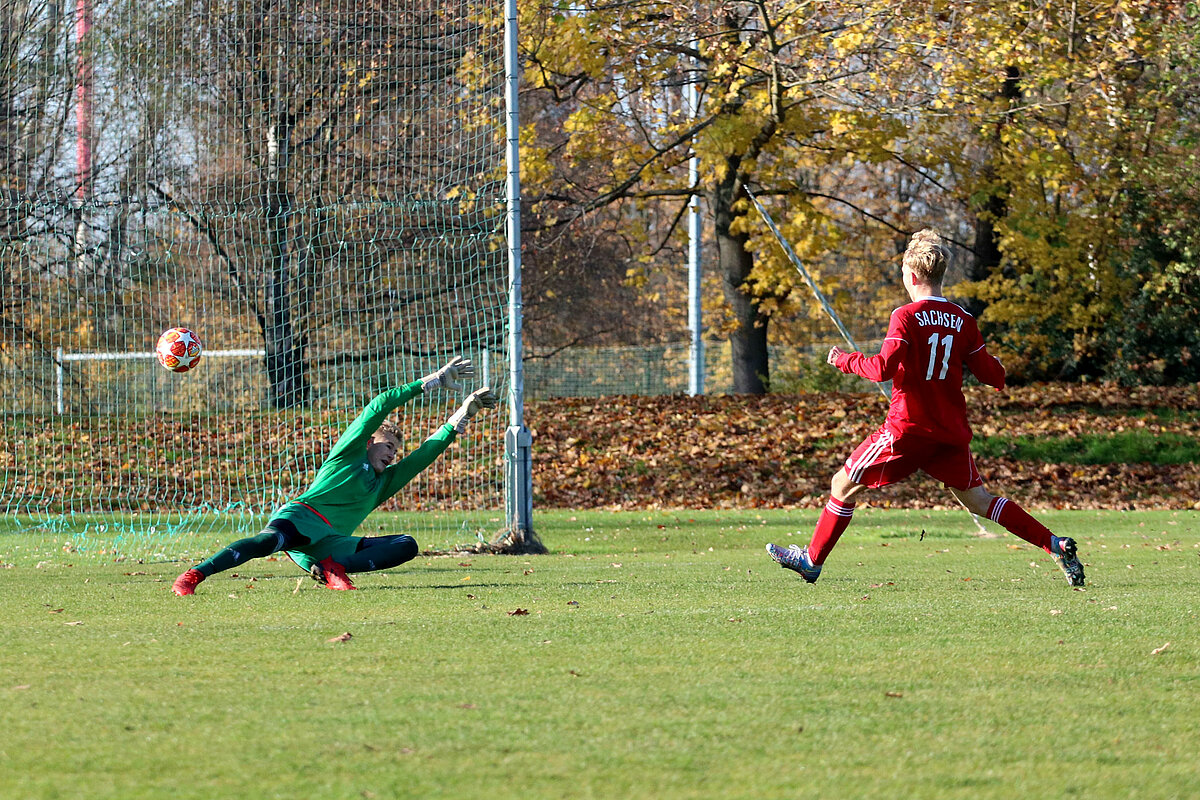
{"x":947,"y":343}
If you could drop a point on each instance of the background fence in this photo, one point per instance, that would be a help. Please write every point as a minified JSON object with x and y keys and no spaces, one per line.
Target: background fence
{"x":663,"y":369}
{"x":100,"y":383}
{"x":124,"y":383}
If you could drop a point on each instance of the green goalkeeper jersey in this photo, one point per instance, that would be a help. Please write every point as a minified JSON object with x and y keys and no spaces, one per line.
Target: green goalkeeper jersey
{"x":346,"y":489}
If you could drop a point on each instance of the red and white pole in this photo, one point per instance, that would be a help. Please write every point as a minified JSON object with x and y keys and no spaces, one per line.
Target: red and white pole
{"x":83,"y":100}
{"x":83,"y":122}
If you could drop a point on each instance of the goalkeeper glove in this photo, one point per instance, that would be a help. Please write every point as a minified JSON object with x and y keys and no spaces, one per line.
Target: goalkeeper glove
{"x":448,"y":375}
{"x":477,"y":401}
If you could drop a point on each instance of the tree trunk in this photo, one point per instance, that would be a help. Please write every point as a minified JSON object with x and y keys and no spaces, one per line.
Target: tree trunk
{"x":748,"y":341}
{"x":986,"y":247}
{"x":994,"y":205}
{"x":286,"y":372}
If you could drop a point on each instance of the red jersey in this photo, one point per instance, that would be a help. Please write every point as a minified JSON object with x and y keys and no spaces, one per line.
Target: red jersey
{"x":928,"y":342}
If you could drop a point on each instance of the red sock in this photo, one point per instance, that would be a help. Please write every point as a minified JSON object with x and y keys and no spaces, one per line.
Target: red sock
{"x":1016,"y":521}
{"x":834,"y":519}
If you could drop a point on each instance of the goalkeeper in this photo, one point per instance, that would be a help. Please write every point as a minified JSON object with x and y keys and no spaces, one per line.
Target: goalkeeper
{"x":357,"y":477}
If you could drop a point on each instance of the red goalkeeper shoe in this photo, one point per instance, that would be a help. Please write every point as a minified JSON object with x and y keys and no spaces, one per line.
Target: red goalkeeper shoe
{"x":186,"y":583}
{"x":332,"y":574}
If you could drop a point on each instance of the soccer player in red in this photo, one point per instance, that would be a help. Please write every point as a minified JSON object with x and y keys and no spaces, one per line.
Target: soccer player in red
{"x":929,"y":342}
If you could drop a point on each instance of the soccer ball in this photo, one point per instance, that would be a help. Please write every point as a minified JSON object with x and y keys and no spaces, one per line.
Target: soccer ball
{"x":178,"y":349}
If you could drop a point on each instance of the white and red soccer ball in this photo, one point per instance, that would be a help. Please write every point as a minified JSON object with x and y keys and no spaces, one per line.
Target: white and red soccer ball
{"x":178,"y":349}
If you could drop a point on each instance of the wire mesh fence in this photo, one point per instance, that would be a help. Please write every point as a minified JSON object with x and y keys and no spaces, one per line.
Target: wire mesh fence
{"x":660,"y":369}
{"x":317,"y":186}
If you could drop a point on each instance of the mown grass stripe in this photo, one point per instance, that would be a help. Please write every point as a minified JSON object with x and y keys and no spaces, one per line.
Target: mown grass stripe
{"x":1125,"y":447}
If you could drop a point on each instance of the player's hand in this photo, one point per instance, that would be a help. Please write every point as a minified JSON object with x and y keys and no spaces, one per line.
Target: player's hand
{"x":448,"y":376}
{"x":476,"y":402}
{"x":834,"y":353}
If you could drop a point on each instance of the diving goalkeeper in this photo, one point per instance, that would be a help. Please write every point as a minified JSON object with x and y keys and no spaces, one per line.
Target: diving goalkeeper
{"x":315,"y":529}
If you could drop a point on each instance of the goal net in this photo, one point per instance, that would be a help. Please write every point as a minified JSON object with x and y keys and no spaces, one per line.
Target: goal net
{"x":315,"y":188}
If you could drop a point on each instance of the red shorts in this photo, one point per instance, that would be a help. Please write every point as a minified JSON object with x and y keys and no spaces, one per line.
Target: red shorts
{"x":884,"y":458}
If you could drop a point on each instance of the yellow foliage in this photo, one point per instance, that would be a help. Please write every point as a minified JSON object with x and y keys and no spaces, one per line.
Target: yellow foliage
{"x":914,"y":113}
{"x":848,"y":42}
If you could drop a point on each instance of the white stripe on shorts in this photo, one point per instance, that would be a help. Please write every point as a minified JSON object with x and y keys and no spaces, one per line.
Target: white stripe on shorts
{"x":856,"y":470}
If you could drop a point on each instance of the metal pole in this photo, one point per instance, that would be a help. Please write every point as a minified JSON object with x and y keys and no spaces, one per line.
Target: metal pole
{"x":518,"y":442}
{"x":695,"y":315}
{"x":58,"y":380}
{"x":799,"y":265}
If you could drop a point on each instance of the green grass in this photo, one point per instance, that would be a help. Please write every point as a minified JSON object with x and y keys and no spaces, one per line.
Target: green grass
{"x":1126,"y":447}
{"x":1163,"y":414}
{"x":663,"y":656}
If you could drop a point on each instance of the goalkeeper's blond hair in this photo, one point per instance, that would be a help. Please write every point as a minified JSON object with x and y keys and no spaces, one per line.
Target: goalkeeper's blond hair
{"x":927,"y":256}
{"x":388,"y":428}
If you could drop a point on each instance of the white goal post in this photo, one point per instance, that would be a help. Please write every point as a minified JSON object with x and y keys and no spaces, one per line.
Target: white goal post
{"x":483,"y":361}
{"x":62,"y":358}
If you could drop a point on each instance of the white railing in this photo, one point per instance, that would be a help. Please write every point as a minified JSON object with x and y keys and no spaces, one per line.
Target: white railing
{"x":62,"y":358}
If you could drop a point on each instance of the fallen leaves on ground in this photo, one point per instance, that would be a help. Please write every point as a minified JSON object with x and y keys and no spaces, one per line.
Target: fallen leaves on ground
{"x":629,"y":452}
{"x":779,"y":451}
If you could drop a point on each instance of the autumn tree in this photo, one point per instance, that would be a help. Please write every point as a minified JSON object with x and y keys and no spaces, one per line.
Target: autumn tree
{"x":769,"y":76}
{"x":38,"y":211}
{"x":1155,"y":337}
{"x":1050,"y":141}
{"x":579,"y":285}
{"x":34,"y":91}
{"x":1032,"y":135}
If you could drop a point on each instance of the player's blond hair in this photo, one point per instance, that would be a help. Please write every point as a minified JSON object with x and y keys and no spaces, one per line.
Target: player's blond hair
{"x":927,"y":256}
{"x":389,"y":428}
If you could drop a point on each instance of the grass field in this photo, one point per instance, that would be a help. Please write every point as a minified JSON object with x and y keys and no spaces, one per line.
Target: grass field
{"x":662,"y":656}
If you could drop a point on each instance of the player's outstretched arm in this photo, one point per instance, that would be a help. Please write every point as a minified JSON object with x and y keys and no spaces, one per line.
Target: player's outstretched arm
{"x":881,"y":367}
{"x":449,"y":375}
{"x":407,"y":468}
{"x":877,"y":368}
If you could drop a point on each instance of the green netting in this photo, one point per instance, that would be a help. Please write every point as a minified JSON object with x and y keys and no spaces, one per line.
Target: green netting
{"x":315,"y":188}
